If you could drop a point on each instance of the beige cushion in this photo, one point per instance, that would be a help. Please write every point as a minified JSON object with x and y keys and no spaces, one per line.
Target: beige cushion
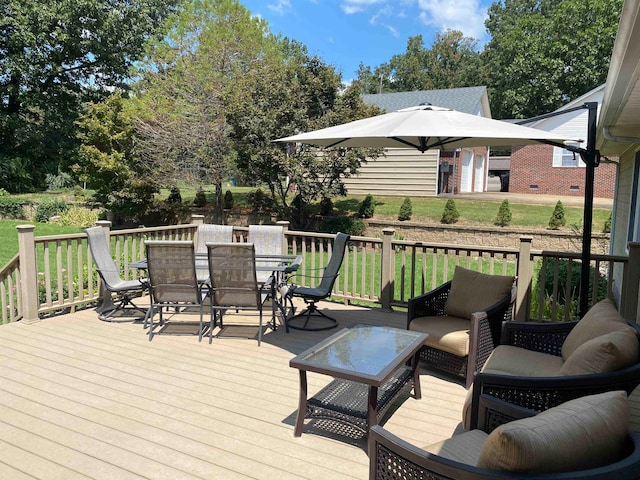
{"x":580,"y":434}
{"x":510,"y":360}
{"x":473,"y":291}
{"x":605,"y":353}
{"x":600,"y":319}
{"x":446,"y":333}
{"x":464,"y":448}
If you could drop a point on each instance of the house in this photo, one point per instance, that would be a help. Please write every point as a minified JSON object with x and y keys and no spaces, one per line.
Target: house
{"x":618,"y":134}
{"x":545,"y":169}
{"x":407,"y":172}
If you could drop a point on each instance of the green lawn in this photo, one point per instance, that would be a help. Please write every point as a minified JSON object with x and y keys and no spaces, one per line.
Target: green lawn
{"x":9,"y":235}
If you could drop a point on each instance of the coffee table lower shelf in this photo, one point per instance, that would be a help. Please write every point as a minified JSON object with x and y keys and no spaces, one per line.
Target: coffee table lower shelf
{"x":346,"y":401}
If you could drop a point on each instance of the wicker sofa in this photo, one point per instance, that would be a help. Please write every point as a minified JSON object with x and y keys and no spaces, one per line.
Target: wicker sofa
{"x":536,"y":447}
{"x":463,"y":318}
{"x":541,"y":365}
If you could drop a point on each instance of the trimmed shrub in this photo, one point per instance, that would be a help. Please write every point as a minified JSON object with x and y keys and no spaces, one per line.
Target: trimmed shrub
{"x":227,"y":202}
{"x":406,"y":210}
{"x":11,"y":208}
{"x":78,"y":216}
{"x":607,"y":224}
{"x":450,"y":213}
{"x":367,"y":207}
{"x":259,"y":201}
{"x":200,"y":199}
{"x":326,"y":207}
{"x":352,"y":226}
{"x":504,"y":214}
{"x":174,"y":195}
{"x":48,"y":209}
{"x":557,"y":219}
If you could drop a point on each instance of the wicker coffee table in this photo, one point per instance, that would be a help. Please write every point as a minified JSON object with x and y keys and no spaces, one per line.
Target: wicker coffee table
{"x":371,"y":366}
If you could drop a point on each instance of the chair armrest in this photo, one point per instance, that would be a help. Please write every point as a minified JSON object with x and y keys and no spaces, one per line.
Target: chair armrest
{"x":542,"y":393}
{"x":430,"y":304}
{"x":493,"y":412}
{"x":545,"y":337}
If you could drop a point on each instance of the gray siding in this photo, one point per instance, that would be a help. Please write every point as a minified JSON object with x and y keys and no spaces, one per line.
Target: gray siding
{"x":402,"y":172}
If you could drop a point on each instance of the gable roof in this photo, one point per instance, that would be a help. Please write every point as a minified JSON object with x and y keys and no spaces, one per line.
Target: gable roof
{"x":472,"y":100}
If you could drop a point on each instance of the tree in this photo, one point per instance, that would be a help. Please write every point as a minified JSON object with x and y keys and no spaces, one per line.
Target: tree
{"x":54,"y":57}
{"x":367,"y":207}
{"x":450,"y":213}
{"x":406,"y":210}
{"x":545,"y":53}
{"x":503,"y":218}
{"x":557,"y":219}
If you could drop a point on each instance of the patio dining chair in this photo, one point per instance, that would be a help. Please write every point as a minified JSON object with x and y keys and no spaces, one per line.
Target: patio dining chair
{"x":206,"y":233}
{"x":172,"y":280}
{"x":267,"y":240}
{"x":312,"y":295}
{"x":110,"y":276}
{"x":233,"y":282}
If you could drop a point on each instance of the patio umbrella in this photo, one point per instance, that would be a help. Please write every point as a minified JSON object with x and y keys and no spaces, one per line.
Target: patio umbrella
{"x":427,"y":127}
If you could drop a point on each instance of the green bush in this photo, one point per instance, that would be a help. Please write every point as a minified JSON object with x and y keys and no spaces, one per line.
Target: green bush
{"x":259,"y":201}
{"x":200,"y":199}
{"x":78,"y":192}
{"x":174,"y":195}
{"x":62,"y":181}
{"x":607,"y":224}
{"x":504,"y":214}
{"x":557,"y":219}
{"x":11,"y":208}
{"x":352,"y":226}
{"x":450,"y":213}
{"x":48,"y":209}
{"x":574,"y":286}
{"x":78,"y":216}
{"x":406,"y":210}
{"x":228,"y":200}
{"x":326,"y":207}
{"x":367,"y":207}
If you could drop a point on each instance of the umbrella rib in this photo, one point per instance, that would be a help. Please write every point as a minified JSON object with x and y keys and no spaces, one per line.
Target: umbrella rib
{"x":338,"y":142}
{"x":412,"y":145}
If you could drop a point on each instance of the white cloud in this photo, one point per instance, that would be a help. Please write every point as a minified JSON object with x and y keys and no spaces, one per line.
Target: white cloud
{"x":465,"y":15}
{"x":355,"y":6}
{"x":280,"y":7}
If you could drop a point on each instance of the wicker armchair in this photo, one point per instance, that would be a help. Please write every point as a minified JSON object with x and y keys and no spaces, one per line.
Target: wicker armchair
{"x":483,"y":327}
{"x":467,"y":456}
{"x":541,"y":392}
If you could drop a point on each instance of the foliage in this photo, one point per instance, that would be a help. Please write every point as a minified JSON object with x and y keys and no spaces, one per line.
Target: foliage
{"x":557,"y":219}
{"x":548,"y":277}
{"x":78,"y":192}
{"x":110,"y":163}
{"x":200,"y":199}
{"x":350,"y":225}
{"x":78,"y":216}
{"x":174,"y":195}
{"x":3,"y":192}
{"x":228,"y":200}
{"x":326,"y":207}
{"x":58,"y":182}
{"x":260,"y":202}
{"x":11,"y":208}
{"x":57,"y":56}
{"x":545,"y":53}
{"x":367,"y":207}
{"x":503,"y":218}
{"x":450,"y":214}
{"x":607,"y":224}
{"x":49,"y":208}
{"x":406,"y":210}
{"x":451,"y":62}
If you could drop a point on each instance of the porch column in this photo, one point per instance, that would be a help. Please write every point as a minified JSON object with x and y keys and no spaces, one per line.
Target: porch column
{"x":631,"y":284}
{"x":524,"y":279}
{"x":387,"y":260}
{"x":28,"y":272}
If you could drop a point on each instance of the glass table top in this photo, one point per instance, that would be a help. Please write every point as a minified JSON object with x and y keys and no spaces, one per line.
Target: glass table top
{"x":362,"y":349}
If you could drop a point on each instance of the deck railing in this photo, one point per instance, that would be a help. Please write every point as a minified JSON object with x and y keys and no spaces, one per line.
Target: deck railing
{"x":56,"y":273}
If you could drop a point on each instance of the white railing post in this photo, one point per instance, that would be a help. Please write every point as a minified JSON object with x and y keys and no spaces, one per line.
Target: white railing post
{"x":631,"y":288}
{"x":28,"y":272}
{"x":524,"y":279}
{"x":387,"y":260}
{"x":197,"y":219}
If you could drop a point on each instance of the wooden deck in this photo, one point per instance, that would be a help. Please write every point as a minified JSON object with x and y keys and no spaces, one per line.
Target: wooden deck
{"x":81,"y":398}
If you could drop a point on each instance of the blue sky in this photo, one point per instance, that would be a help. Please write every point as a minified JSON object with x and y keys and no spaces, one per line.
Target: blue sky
{"x":347,"y":32}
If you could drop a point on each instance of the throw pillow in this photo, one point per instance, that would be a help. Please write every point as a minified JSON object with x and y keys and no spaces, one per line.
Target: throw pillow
{"x":473,"y":291}
{"x":580,"y":434}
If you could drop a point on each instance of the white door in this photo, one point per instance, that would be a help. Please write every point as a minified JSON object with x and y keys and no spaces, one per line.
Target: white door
{"x":478,"y":178}
{"x":466,"y":175}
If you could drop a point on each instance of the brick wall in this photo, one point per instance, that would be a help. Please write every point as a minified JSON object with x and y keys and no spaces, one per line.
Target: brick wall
{"x":533,"y":165}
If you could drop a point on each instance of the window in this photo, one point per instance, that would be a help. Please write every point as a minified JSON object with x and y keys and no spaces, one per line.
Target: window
{"x":633,"y":234}
{"x":569,"y":159}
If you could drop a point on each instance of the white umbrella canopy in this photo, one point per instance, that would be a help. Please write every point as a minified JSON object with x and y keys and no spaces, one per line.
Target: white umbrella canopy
{"x":426,"y":127}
